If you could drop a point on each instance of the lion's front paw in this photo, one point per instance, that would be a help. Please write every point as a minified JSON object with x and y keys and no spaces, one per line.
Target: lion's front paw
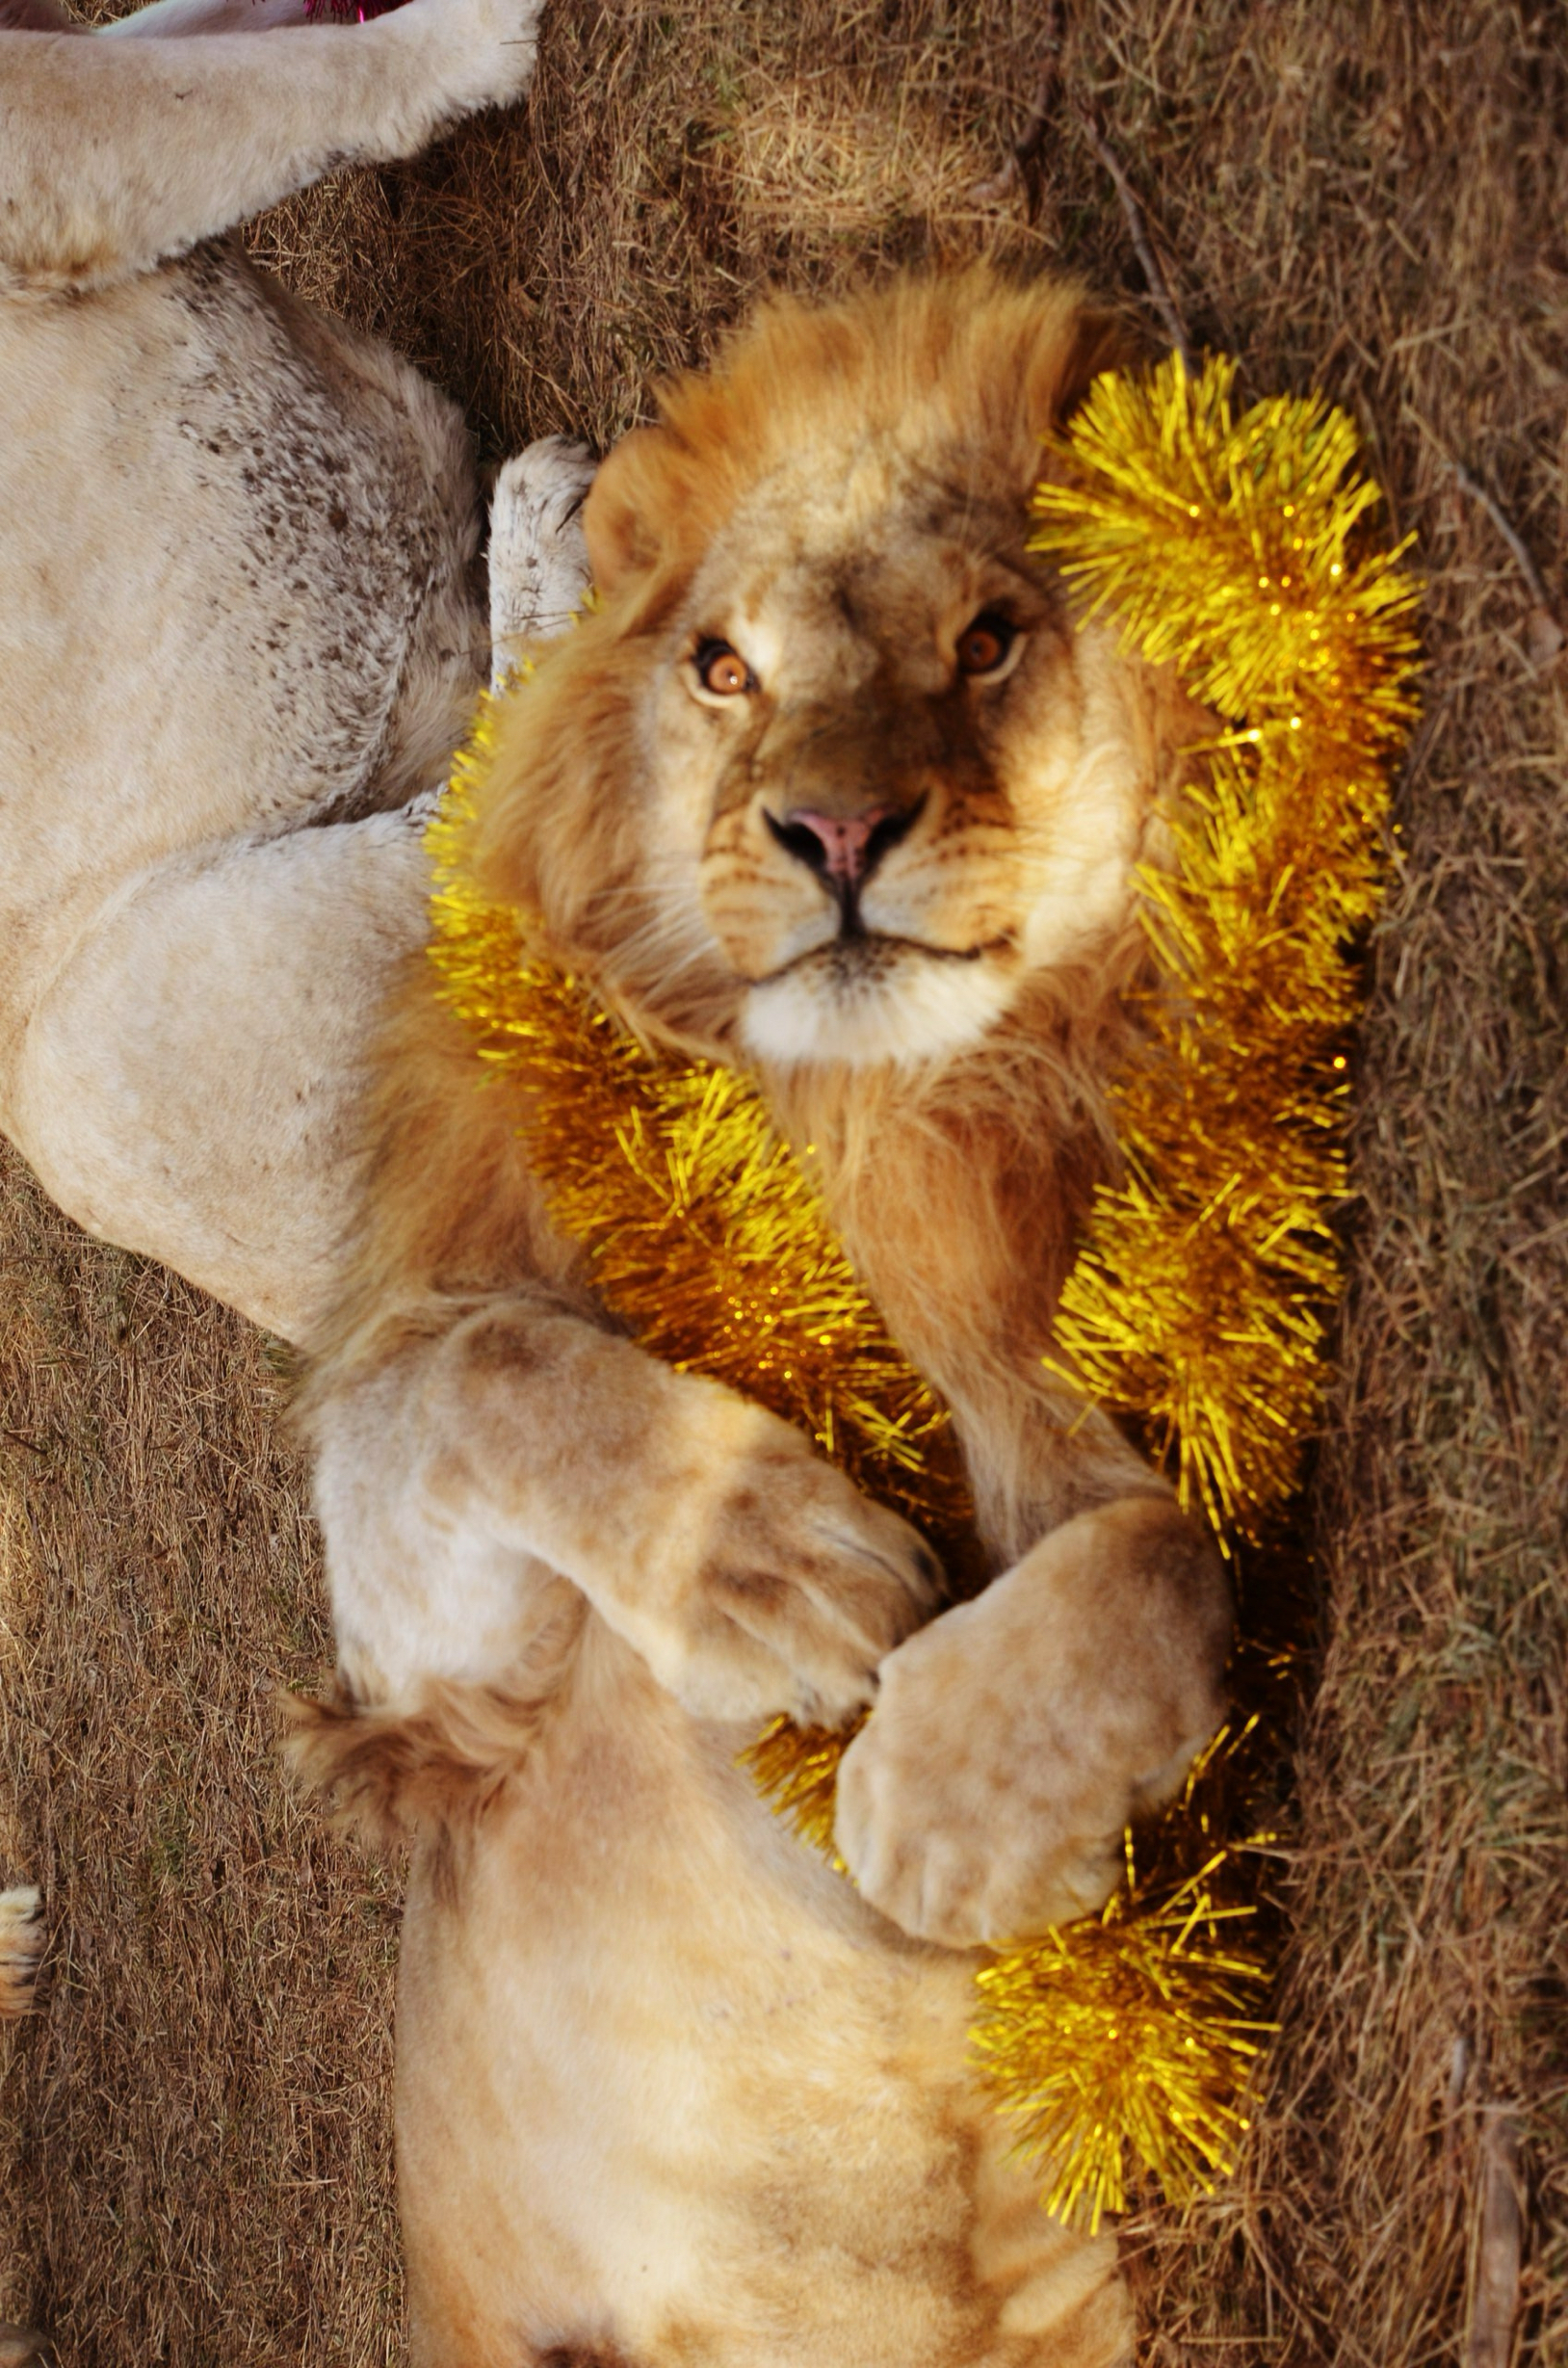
{"x":986,"y":1796}
{"x":793,"y":1587}
{"x":482,"y":52}
{"x":539,"y":559}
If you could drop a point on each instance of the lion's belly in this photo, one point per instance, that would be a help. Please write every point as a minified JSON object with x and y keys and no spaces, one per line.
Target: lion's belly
{"x":666,"y":2087}
{"x":229,"y":540}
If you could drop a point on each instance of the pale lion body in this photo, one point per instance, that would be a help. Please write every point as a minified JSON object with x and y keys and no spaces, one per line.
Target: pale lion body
{"x":243,"y":621}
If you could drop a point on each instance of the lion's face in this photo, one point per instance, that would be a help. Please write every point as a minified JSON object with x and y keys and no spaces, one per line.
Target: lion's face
{"x":872,"y":778}
{"x":874,"y":739}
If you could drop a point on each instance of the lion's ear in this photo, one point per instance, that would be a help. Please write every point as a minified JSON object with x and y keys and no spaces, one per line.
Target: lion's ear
{"x":1071,"y":345}
{"x":1068,"y":344}
{"x":1098,"y":341}
{"x":633,"y":515}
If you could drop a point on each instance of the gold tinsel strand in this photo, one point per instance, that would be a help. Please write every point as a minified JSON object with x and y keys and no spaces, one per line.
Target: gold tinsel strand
{"x":1129,"y":2036}
{"x":1222,"y":545}
{"x":1198,"y":1301}
{"x":797,"y":1769}
{"x":1132,"y":2034}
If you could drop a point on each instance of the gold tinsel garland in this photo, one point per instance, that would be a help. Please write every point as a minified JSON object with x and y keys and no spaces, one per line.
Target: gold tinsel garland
{"x":1198,"y":1302}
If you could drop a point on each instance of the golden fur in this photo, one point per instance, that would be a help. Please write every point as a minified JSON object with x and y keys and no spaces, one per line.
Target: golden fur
{"x":669,"y":2090}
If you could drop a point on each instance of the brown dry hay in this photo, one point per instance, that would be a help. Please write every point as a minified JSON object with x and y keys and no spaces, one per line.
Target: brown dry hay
{"x":195,"y":2149}
{"x":1371,"y":200}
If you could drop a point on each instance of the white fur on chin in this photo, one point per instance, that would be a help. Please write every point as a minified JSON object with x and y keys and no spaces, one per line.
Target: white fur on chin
{"x":924,"y":1007}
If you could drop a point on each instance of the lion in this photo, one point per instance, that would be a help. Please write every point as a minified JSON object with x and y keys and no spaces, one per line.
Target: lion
{"x":828,"y":786}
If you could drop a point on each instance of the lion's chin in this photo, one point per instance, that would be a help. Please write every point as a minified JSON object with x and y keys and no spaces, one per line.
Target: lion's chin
{"x":909,"y":1010}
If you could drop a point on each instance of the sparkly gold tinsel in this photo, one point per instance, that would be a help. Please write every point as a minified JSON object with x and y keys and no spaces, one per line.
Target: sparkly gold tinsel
{"x":1198,"y":1302}
{"x":1198,"y":1299}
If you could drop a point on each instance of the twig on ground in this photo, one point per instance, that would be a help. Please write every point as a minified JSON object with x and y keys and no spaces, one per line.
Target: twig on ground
{"x":1026,"y":146}
{"x":1500,"y":2233}
{"x":1159,"y":287}
{"x":1506,"y":528}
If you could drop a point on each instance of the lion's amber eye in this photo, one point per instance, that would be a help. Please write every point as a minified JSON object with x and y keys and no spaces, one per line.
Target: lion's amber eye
{"x":984,"y":642}
{"x":723,"y":669}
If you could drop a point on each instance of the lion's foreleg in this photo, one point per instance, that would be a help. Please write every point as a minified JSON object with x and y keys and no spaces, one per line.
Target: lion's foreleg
{"x":749,"y":1575}
{"x":117,"y":153}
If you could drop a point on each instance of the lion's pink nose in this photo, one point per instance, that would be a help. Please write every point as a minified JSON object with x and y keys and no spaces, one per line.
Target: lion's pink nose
{"x":836,"y":846}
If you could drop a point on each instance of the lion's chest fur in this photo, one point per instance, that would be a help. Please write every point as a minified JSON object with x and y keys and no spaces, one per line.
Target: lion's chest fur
{"x":731,"y":2117}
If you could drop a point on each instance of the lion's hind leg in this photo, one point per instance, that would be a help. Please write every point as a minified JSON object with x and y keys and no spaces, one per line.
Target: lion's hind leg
{"x":22,"y":1947}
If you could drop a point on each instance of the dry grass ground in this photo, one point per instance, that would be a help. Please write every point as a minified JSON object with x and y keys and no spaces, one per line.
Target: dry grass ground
{"x":193,"y":2142}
